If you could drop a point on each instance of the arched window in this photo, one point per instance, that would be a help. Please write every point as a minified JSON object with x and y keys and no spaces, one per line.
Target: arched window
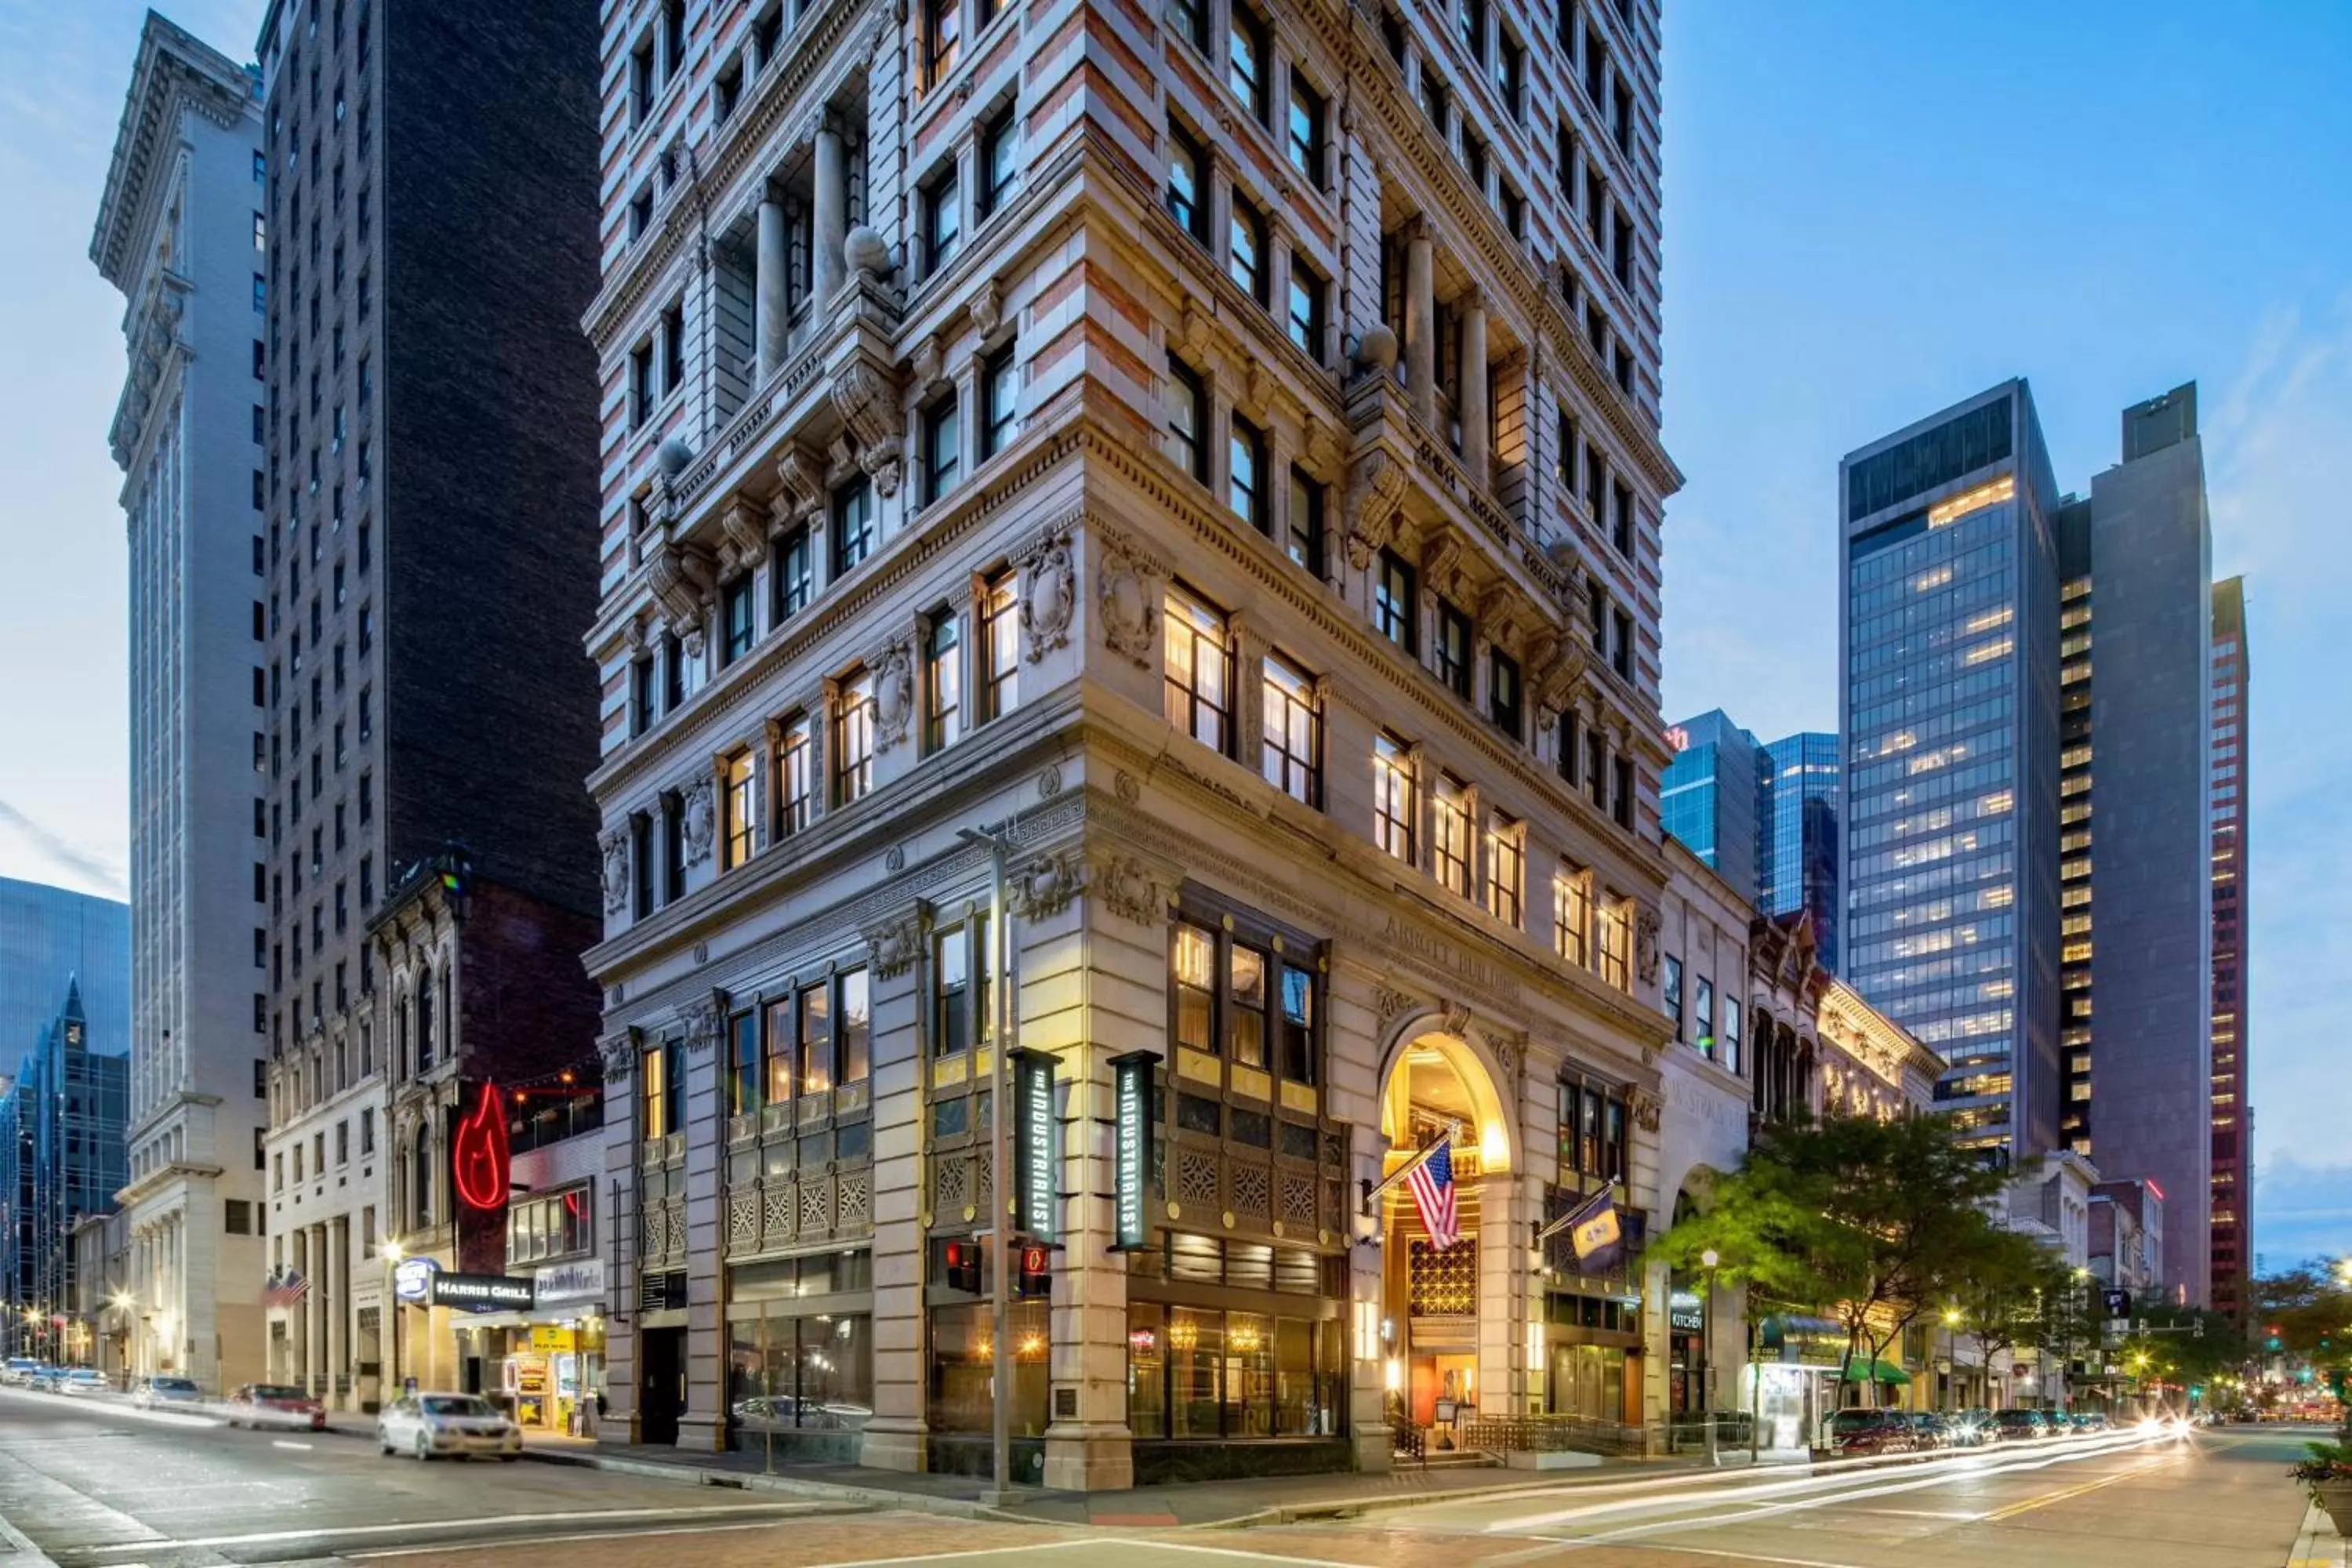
{"x":422,"y":1196}
{"x":425,"y":1019}
{"x":400,"y":1221}
{"x":400,"y":1034}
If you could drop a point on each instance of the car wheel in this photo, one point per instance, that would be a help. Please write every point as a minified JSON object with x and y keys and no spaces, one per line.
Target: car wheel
{"x":424,"y":1449}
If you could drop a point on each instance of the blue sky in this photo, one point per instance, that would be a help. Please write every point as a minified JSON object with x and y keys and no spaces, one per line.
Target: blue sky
{"x":1872,"y":208}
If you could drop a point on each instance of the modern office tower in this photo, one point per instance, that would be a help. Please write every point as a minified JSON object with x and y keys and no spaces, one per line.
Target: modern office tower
{"x":430,"y":491}
{"x":1797,"y":835}
{"x":2233,"y":1113}
{"x":62,"y":1120}
{"x":1713,"y":798}
{"x":48,"y":934}
{"x":182,"y":232}
{"x":1949,"y":707}
{"x":1778,"y":840}
{"x":2134,"y":850}
{"x":1218,"y":454}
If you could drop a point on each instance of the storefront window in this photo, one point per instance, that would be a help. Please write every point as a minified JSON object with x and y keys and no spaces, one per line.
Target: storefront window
{"x":962,"y":1392}
{"x":812,"y":1374}
{"x":1197,"y":1373}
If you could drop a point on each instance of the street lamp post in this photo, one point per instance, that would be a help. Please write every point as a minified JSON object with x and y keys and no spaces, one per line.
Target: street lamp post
{"x":999,"y":841}
{"x":392,"y":1256}
{"x":1708,"y":1259}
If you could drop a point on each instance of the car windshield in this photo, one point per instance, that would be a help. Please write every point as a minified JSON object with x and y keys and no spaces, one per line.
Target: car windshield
{"x":1849,"y":1420}
{"x":171,"y":1385}
{"x":275,"y":1391}
{"x":456,"y":1405}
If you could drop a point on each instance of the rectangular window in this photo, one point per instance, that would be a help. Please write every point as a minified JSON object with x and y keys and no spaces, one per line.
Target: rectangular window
{"x":1000,"y":160}
{"x":943,"y":218}
{"x":1305,"y":314}
{"x":1197,"y":687}
{"x":1670,"y":988}
{"x":853,"y":738}
{"x":1000,"y":399}
{"x":813,"y":1063}
{"x":1393,"y":797}
{"x":1000,"y":644}
{"x":1621,"y":648}
{"x":1395,"y":611}
{"x":737,"y":614}
{"x":943,"y":36}
{"x":1703,"y":1013}
{"x":1190,"y":18}
{"x":791,"y":577}
{"x":743,"y":1074}
{"x":1245,"y":1004}
{"x":1453,"y":648}
{"x":1621,"y":803}
{"x":673,"y":338}
{"x":1510,"y":68}
{"x":1246,"y":495}
{"x":1245,"y":255}
{"x":1620,"y":518}
{"x":1304,"y":527}
{"x":853,"y":1019}
{"x":1293,"y":762}
{"x":1188,"y":184}
{"x":641,"y":384}
{"x":1506,"y":868}
{"x":1192,"y":961}
{"x":1572,"y":913}
{"x":1503,"y":703}
{"x":1617,"y":944}
{"x":1450,"y":825}
{"x":1188,"y":419}
{"x":795,"y":788}
{"x":1305,"y":133}
{"x":1249,"y":62}
{"x":943,"y":683}
{"x":942,"y":448}
{"x":741,"y":815}
{"x":852,"y":526}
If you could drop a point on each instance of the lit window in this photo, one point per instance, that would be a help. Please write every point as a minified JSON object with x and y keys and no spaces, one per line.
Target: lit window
{"x":1505,"y":862}
{"x":1571,"y":912}
{"x":1292,"y":763}
{"x":943,"y":678}
{"x":1197,"y":689}
{"x":853,"y":738}
{"x":1393,"y":797}
{"x":1451,"y":829}
{"x":999,"y":631}
{"x":1617,"y":943}
{"x":794,"y":790}
{"x":740,"y":812}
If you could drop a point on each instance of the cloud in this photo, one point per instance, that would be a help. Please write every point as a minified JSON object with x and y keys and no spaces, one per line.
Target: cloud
{"x":87,"y":867}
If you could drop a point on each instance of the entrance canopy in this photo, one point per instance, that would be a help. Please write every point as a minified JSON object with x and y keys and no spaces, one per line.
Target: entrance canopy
{"x":1877,"y":1372}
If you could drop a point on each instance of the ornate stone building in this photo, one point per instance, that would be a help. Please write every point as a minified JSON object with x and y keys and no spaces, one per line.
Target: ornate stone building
{"x":1218,"y":447}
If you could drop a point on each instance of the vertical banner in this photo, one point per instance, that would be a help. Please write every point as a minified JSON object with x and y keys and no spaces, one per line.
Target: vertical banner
{"x":1133,"y":1085}
{"x":1033,"y":1172}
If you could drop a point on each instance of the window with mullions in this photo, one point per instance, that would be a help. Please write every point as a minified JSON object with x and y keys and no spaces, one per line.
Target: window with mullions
{"x":942,"y":448}
{"x":1503,"y":699}
{"x":742,"y":813}
{"x":1616,"y":931}
{"x":1393,"y":797}
{"x":661,"y":1078}
{"x":852,"y":526}
{"x":943,"y":712}
{"x":1395,"y":614}
{"x":795,"y":788}
{"x":1188,"y":184}
{"x":1000,"y":160}
{"x":1703,"y":1014}
{"x":1453,"y":648}
{"x":1303,"y":530}
{"x":792,"y":574}
{"x":1190,"y":19}
{"x":1670,"y":990}
{"x":1188,"y":419}
{"x":853,"y":738}
{"x":1305,"y":323}
{"x":1572,"y":913}
{"x":1249,"y":62}
{"x":999,"y":647}
{"x":1198,"y":683}
{"x":744,"y":1066}
{"x":1591,"y":1136}
{"x":1450,"y":833}
{"x":943,"y":218}
{"x":736,"y":617}
{"x":1245,"y":253}
{"x":1293,"y":760}
{"x":1231,"y":995}
{"x":1246,"y":494}
{"x":960,"y":965}
{"x":1000,"y":400}
{"x":1304,"y":140}
{"x":1507,"y":849}
{"x":942,"y":37}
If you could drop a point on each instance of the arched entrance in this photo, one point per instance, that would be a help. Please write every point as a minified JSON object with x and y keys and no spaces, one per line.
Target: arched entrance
{"x":1446,"y":1343}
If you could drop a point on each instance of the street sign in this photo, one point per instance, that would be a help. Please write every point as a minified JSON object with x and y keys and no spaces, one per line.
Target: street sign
{"x":1133,"y":1084}
{"x":2118,"y":1303}
{"x":1034,"y":1137}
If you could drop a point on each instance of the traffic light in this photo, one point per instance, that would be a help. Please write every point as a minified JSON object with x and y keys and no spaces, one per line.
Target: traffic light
{"x":2197,"y":1329}
{"x":962,"y":1269}
{"x":1036,"y":1272}
{"x":2273,"y":1342}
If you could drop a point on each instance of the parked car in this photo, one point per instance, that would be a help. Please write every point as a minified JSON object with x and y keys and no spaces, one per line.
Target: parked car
{"x":48,"y":1379}
{"x":1968,"y":1429}
{"x":261,"y":1405}
{"x":157,"y":1392}
{"x":2092,"y":1421}
{"x":1861,"y":1432}
{"x":429,"y":1424}
{"x":17,"y":1370}
{"x":1929,"y":1429}
{"x":2023,"y":1423}
{"x":84,"y":1380}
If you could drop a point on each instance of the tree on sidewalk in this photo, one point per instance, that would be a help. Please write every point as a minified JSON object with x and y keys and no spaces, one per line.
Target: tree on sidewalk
{"x":1872,"y":1223}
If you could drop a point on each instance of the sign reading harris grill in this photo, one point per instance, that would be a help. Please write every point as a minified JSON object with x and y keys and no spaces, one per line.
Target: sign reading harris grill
{"x":1033,"y":1144}
{"x":1132,"y":1084}
{"x":483,"y":1292}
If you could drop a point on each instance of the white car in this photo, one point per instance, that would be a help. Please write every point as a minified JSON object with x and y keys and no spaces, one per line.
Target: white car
{"x":157,"y":1392}
{"x":83,"y":1380}
{"x":428,"y":1425}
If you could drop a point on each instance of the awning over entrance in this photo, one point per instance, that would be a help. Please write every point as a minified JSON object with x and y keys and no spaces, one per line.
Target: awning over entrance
{"x":1877,"y":1372}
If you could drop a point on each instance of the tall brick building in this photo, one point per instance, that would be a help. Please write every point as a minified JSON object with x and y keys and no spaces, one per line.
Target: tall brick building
{"x":430,"y":567}
{"x":1220,"y":447}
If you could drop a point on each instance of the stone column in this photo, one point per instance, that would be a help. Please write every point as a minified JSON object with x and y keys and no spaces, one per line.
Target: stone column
{"x":898,"y":1435}
{"x":771,"y":308}
{"x":1477,"y":417}
{"x":337,"y":1284}
{"x":1421,"y":323}
{"x":832,"y":210}
{"x":306,"y":1343}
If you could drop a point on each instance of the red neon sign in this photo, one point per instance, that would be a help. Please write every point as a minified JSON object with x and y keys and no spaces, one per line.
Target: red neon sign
{"x":479,"y":1156}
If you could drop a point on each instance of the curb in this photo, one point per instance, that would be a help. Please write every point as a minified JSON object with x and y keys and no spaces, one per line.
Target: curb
{"x":735,"y":1481}
{"x":22,"y":1552}
{"x":2316,"y":1545}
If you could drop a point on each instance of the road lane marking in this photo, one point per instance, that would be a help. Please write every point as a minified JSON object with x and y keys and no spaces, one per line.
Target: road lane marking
{"x":977,"y":1552}
{"x":446,"y":1548}
{"x":585,"y":1516}
{"x":284,"y":1443}
{"x":1919,"y":1513}
{"x":2029,"y":1504}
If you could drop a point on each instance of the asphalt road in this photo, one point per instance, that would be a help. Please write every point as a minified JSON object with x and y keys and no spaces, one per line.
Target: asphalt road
{"x":97,"y":1487}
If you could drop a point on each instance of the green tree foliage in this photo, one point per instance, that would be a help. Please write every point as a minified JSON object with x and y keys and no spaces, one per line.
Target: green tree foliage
{"x":2309,"y":1310}
{"x":1870,"y":1223}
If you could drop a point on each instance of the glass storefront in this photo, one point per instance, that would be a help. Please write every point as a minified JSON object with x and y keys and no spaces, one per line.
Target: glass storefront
{"x":962,"y":1392}
{"x":799,"y":1351}
{"x":1198,"y":1372}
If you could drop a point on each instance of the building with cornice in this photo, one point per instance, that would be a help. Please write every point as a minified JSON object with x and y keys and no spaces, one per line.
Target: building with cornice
{"x":1218,"y":451}
{"x":428,"y":566}
{"x":181,"y":233}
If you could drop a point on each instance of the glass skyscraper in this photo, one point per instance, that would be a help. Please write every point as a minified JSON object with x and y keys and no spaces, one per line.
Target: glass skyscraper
{"x":1764,"y":816}
{"x":1949,"y":707}
{"x":1712,"y":797}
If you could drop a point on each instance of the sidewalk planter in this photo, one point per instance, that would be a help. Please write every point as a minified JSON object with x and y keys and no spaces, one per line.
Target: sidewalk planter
{"x":2335,"y":1499}
{"x":2327,"y":1477}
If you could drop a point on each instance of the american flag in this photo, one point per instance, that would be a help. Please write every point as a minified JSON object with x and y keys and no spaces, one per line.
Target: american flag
{"x":285,"y":1290}
{"x":1431,"y":1182}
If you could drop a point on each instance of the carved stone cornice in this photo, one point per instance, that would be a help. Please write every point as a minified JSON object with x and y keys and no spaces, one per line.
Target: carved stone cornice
{"x":619,"y":1050}
{"x":1044,"y":885}
{"x":705,"y":1020}
{"x":867,"y":397}
{"x":894,"y":945}
{"x":679,"y":578}
{"x":1376,"y":487}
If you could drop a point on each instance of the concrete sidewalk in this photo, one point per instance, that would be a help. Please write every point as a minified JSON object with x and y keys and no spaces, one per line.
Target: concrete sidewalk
{"x":1202,"y":1505}
{"x":2318,"y":1546}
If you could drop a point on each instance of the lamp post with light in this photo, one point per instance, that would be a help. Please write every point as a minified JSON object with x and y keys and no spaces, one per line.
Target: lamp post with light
{"x":392,"y":1256}
{"x":1708,"y":1260}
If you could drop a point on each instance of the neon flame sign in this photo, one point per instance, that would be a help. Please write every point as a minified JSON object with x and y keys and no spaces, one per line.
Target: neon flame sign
{"x":479,"y":1156}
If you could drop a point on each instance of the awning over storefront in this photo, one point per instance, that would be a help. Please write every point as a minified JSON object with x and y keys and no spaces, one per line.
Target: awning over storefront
{"x":1877,"y":1372}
